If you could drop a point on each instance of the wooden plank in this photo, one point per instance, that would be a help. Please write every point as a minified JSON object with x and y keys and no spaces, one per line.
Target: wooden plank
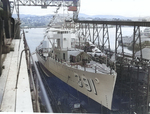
{"x":3,"y":77}
{"x":15,"y":100}
{"x":9,"y":97}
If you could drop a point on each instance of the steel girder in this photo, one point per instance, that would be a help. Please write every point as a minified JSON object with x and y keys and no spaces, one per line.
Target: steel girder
{"x":96,"y":34}
{"x":105,"y":40}
{"x":119,"y":36}
{"x":92,"y":32}
{"x":136,"y":38}
{"x":46,"y":3}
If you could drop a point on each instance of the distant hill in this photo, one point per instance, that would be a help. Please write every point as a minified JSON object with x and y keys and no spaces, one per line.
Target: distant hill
{"x":38,"y":21}
{"x":103,"y":16}
{"x":22,"y":15}
{"x":110,"y":16}
{"x":85,"y":16}
{"x":27,"y":15}
{"x":80,"y":15}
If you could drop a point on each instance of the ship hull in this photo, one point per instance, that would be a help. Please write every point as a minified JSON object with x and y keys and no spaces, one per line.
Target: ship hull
{"x":97,"y":87}
{"x":67,"y":96}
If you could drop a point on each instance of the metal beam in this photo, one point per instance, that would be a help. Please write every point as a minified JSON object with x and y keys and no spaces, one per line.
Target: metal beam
{"x":125,"y":23}
{"x":136,"y":38}
{"x":105,"y":40}
{"x":119,"y":36}
{"x":87,"y":31}
{"x":96,"y":34}
{"x":45,"y":2}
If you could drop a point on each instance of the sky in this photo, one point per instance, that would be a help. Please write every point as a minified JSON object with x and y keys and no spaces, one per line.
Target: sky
{"x":128,"y":8}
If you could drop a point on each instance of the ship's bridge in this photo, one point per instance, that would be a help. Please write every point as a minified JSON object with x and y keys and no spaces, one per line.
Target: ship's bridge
{"x":63,"y":38}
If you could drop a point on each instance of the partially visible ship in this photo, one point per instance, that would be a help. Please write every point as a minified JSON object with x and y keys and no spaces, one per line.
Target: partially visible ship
{"x":73,"y":70}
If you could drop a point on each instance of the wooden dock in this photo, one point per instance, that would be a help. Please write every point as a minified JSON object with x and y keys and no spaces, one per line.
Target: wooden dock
{"x":14,"y":99}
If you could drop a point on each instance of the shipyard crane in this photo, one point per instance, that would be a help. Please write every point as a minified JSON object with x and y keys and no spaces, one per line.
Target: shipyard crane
{"x":73,"y":5}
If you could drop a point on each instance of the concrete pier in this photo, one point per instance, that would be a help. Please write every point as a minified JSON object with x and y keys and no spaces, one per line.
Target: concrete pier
{"x":14,"y":99}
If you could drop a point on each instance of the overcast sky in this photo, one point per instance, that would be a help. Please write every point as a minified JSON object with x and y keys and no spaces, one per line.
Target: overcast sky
{"x":129,"y":8}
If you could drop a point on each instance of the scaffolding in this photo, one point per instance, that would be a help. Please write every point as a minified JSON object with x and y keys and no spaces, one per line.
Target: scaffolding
{"x":133,"y":73}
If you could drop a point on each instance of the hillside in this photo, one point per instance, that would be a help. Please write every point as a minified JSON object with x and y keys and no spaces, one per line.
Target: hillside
{"x":42,"y":21}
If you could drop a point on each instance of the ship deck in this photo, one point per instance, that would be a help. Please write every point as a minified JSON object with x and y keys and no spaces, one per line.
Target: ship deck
{"x":14,"y":99}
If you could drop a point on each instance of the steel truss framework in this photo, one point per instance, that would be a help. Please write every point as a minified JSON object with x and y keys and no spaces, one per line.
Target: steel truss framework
{"x":96,"y":35}
{"x":137,"y":38}
{"x":105,"y":39}
{"x":98,"y":31}
{"x":99,"y":34}
{"x":128,"y":86}
{"x":119,"y":36}
{"x":48,"y":3}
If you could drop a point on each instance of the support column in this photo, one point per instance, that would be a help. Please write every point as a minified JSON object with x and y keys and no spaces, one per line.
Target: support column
{"x":96,"y":34}
{"x":119,"y":36}
{"x":136,"y":37}
{"x":105,"y":40}
{"x":87,"y":31}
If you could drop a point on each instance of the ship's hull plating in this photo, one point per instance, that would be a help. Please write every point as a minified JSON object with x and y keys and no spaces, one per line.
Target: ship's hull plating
{"x":67,"y":96}
{"x":98,"y":87}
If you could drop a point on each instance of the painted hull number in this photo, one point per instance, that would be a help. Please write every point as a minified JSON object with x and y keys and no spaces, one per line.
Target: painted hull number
{"x":87,"y":83}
